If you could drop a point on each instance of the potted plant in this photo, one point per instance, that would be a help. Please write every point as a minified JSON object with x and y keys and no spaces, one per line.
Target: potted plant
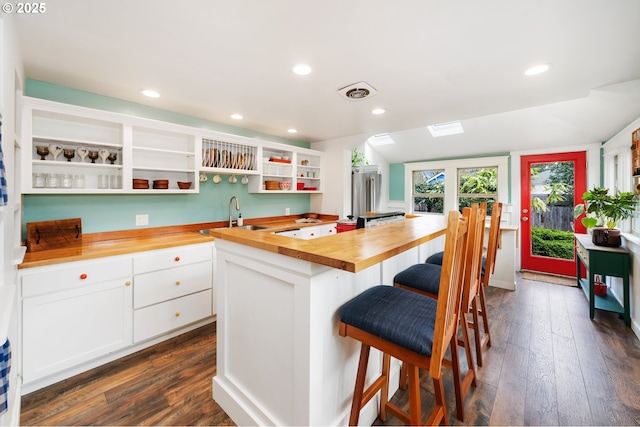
{"x":603,"y":213}
{"x":358,"y":159}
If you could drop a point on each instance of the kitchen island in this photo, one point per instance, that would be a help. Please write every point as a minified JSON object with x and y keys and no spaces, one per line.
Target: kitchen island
{"x":280,"y":360}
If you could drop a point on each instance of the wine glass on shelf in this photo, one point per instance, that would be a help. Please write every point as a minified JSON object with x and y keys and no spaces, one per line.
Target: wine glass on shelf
{"x":93,"y":155}
{"x":69,"y":153}
{"x":55,"y":150}
{"x":82,"y":153}
{"x":42,"y":151}
{"x":103,"y":155}
{"x":112,"y":157}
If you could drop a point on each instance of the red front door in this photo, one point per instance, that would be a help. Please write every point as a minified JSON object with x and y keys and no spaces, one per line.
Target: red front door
{"x":552,"y":184}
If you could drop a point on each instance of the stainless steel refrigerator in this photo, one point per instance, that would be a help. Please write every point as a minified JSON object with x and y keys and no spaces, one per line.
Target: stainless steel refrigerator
{"x":365,"y":190}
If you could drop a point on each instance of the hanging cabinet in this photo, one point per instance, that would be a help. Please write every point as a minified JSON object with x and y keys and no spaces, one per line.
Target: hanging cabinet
{"x":78,"y":150}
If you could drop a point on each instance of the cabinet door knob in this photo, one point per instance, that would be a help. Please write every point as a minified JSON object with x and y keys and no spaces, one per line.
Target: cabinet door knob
{"x":177,"y":314}
{"x":177,"y":258}
{"x":177,"y":282}
{"x":127,"y":283}
{"x":83,"y":276}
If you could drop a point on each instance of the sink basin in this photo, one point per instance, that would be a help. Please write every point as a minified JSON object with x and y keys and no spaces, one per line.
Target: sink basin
{"x":252,"y":227}
{"x":205,"y":232}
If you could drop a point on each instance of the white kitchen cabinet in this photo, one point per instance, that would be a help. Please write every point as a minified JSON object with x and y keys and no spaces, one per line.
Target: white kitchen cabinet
{"x":159,"y":154}
{"x":73,"y":313}
{"x":142,"y":148}
{"x":172,"y":288}
{"x":289,"y":164}
{"x":66,"y":129}
{"x":82,"y":314}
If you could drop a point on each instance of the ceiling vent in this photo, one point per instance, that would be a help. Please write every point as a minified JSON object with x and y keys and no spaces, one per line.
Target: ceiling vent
{"x":357,"y":91}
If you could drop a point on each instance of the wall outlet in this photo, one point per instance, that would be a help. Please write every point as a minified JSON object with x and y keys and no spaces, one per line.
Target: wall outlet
{"x":287,"y":211}
{"x":142,"y":220}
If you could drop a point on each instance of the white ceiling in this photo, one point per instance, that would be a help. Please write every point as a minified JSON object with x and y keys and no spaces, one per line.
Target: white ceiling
{"x":431,"y":61}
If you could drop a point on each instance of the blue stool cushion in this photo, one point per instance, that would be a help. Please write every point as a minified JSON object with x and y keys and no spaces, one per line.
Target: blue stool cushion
{"x":424,"y":277}
{"x":402,"y":317}
{"x":437,"y":260}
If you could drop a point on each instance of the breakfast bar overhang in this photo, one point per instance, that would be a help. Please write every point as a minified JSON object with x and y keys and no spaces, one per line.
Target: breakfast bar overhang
{"x":280,"y":360}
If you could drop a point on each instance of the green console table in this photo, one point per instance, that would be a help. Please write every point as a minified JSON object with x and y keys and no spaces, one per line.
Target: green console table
{"x":604,"y":261}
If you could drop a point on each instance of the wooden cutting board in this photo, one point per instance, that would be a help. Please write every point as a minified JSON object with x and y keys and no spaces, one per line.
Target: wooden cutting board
{"x":54,"y":234}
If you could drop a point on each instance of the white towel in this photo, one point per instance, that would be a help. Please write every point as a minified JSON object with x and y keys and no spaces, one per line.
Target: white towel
{"x":5,"y":368}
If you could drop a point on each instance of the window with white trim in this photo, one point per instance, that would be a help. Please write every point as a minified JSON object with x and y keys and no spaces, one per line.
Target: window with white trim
{"x":428,"y":191}
{"x":449,"y":194}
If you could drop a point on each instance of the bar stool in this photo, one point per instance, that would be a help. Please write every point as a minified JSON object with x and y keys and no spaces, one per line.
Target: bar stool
{"x":410,"y":327}
{"x":423,"y":278}
{"x":488,"y":268}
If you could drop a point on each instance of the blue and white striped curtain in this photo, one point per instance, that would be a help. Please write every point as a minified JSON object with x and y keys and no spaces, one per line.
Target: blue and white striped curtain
{"x":3,"y":180}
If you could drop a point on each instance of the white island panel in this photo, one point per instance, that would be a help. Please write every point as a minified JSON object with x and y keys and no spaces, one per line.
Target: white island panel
{"x":280,"y":358}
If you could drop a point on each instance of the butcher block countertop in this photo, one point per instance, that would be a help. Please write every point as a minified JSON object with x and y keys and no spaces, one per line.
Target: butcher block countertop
{"x":97,"y":245}
{"x":351,"y":251}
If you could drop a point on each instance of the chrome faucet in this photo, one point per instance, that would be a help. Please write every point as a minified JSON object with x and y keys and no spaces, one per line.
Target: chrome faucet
{"x":231,"y":220}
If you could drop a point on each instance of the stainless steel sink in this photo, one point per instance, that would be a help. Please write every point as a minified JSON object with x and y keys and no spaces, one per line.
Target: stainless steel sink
{"x":252,"y":227}
{"x":207,"y":232}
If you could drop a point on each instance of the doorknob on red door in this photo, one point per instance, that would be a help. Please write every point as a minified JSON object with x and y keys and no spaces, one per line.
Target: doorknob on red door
{"x":525,"y":211}
{"x":524,"y":218}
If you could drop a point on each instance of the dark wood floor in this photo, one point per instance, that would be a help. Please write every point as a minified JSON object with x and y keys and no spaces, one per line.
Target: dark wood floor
{"x":549,"y":365}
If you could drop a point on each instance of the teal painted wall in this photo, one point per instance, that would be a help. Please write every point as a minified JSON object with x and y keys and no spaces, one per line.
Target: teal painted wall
{"x":117,"y":212}
{"x":396,"y":181}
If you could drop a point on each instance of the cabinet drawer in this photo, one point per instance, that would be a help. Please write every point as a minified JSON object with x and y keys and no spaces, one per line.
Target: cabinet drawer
{"x":172,"y":257}
{"x":42,"y":280}
{"x":158,"y":286}
{"x":582,"y":253}
{"x":164,"y":317}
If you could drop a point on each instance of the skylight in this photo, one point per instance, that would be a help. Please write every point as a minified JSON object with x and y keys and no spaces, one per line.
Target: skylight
{"x":381,"y":139}
{"x":444,"y":129}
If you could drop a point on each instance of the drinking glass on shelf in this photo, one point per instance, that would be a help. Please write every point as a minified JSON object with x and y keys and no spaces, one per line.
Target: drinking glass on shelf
{"x":42,"y":151}
{"x":93,"y":155}
{"x":78,"y":181}
{"x":112,"y":157}
{"x":103,"y":182}
{"x":69,"y":153}
{"x":51,"y":180}
{"x":66,"y":180}
{"x":55,"y":150}
{"x":103,"y":155}
{"x":82,"y":153}
{"x":115,"y":181}
{"x":38,"y":180}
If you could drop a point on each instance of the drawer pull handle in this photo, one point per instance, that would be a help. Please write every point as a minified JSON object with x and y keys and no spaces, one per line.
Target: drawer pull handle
{"x":127,"y":283}
{"x":177,"y":282}
{"x":177,"y":258}
{"x":177,"y":314}
{"x":83,"y":276}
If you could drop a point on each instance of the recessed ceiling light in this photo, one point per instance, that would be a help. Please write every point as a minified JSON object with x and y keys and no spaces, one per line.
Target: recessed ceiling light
{"x":537,"y":69}
{"x":378,"y":111}
{"x":443,"y":129}
{"x":237,"y":116}
{"x":292,"y":130}
{"x":150,"y":93}
{"x":381,"y":139}
{"x":301,"y":69}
